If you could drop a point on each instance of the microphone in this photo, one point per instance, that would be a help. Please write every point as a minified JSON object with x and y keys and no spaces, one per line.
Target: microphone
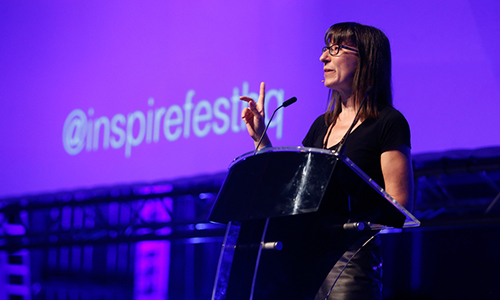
{"x":288,"y":102}
{"x":285,"y":104}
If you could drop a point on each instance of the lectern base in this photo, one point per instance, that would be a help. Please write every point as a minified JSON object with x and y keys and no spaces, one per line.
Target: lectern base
{"x":311,"y":248}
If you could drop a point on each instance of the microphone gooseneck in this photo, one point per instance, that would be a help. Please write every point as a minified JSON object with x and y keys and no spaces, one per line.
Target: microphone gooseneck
{"x":285,"y":104}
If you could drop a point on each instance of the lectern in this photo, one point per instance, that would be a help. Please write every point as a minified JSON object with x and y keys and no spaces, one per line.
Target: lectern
{"x":291,"y":213}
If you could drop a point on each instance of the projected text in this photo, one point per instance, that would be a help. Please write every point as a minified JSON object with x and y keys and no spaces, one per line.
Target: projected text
{"x":85,"y":130}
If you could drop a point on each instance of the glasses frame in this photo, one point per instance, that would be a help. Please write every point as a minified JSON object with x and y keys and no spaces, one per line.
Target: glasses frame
{"x":339,"y":47}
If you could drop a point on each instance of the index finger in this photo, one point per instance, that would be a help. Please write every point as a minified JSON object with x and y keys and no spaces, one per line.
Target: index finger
{"x":262,"y":94}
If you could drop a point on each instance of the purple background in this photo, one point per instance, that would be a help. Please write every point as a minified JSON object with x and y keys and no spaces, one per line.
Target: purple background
{"x":112,"y":57}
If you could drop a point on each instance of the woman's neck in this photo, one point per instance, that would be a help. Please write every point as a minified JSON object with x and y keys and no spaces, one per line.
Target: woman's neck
{"x":348,"y":106}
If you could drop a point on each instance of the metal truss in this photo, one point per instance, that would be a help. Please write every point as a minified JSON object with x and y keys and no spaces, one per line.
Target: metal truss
{"x":457,"y":188}
{"x":451,"y":188}
{"x":172,"y":211}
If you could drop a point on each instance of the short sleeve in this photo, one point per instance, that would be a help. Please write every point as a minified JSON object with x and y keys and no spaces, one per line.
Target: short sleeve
{"x":315,"y":134}
{"x":395,"y":131}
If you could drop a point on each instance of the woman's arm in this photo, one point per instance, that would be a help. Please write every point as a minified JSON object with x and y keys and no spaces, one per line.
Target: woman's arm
{"x":398,"y":175}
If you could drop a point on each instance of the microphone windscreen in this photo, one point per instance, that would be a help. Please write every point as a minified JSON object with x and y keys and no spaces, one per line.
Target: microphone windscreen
{"x":289,"y":101}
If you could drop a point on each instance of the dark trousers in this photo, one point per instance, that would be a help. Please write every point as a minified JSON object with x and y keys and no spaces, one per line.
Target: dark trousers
{"x":361,"y":278}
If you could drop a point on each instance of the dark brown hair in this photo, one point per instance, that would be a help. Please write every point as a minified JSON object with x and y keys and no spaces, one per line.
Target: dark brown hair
{"x":373,"y":68}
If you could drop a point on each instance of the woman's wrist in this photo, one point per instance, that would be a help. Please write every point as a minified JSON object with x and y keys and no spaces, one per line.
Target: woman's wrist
{"x":264,"y":144}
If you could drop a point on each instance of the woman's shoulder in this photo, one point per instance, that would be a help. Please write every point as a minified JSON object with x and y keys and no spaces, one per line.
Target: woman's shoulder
{"x":393,"y":128}
{"x":390,"y":113}
{"x":319,"y":122}
{"x":317,"y":129}
{"x":389,"y":110}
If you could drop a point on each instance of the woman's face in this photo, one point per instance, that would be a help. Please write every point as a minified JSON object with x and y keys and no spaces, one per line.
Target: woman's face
{"x":340,"y":68}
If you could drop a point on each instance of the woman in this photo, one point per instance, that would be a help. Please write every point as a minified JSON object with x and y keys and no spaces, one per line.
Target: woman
{"x":357,"y":65}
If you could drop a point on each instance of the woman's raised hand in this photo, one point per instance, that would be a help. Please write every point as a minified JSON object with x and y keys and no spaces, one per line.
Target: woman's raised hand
{"x":254,"y":117}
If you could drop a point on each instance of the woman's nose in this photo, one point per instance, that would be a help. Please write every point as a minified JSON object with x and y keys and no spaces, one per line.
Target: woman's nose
{"x":324,"y":57}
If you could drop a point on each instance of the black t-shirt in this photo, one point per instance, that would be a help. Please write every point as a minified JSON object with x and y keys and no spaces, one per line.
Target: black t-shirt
{"x":368,"y":141}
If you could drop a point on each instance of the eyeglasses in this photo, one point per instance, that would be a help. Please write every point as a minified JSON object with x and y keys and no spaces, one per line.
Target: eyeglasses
{"x":335,"y":49}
